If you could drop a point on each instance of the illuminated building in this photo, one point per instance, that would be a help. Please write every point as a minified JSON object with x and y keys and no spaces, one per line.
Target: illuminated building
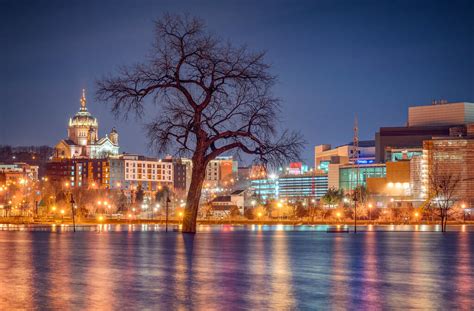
{"x":348,"y":179}
{"x":265,"y":188}
{"x":308,"y":185}
{"x":83,"y":137}
{"x":129,"y":171}
{"x":450,"y":156}
{"x":18,"y":171}
{"x":324,"y":155}
{"x":313,"y":185}
{"x":220,"y":172}
{"x":79,"y":172}
{"x":222,"y":206}
{"x":258,"y":172}
{"x":395,"y":185}
{"x":441,"y":119}
{"x":441,"y":113}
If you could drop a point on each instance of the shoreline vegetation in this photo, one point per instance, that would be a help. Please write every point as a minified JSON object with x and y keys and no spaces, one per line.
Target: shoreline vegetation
{"x":82,"y":222}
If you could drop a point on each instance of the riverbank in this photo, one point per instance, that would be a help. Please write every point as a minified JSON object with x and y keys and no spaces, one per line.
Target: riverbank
{"x":98,"y":221}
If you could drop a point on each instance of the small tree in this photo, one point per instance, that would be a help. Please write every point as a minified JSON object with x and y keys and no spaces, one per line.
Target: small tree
{"x":443,"y":187}
{"x":234,"y":211}
{"x":215,"y":98}
{"x":333,"y":197}
{"x":162,"y":194}
{"x":122,"y":202}
{"x":139,"y":195}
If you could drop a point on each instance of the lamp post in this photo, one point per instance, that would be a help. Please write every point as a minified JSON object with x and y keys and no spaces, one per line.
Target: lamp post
{"x":355,"y":211}
{"x":463,"y":206}
{"x":370,"y":211}
{"x":167,"y":206}
{"x":280,"y":205}
{"x":73,"y":213}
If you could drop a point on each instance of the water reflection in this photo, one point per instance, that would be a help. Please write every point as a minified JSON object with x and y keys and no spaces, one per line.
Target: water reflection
{"x":464,"y":266}
{"x":235,"y":268}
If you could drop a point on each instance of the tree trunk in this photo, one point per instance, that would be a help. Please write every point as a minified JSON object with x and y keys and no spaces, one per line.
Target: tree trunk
{"x":194,"y":195}
{"x":445,"y":220}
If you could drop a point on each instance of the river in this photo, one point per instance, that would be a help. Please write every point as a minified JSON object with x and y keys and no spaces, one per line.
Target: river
{"x":237,"y":267}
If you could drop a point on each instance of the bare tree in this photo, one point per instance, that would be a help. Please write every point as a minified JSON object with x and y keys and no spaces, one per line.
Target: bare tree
{"x":214,"y":98}
{"x":443,"y":188}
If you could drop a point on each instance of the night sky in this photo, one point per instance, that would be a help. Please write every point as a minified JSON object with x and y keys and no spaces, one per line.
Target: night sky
{"x":333,"y":59}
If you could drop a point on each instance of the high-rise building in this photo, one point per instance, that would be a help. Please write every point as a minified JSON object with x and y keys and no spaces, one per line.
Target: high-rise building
{"x":452,"y":156}
{"x":441,"y":113}
{"x":441,"y":119}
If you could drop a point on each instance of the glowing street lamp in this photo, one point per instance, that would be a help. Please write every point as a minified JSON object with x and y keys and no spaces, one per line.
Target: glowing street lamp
{"x":370,"y":211}
{"x":463,"y":206}
{"x":416,"y":216}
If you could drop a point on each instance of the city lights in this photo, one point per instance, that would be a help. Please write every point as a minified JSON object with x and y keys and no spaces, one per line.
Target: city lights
{"x":247,"y":155}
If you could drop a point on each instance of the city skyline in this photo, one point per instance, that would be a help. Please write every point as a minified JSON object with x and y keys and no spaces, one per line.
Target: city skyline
{"x":257,"y":155}
{"x":430,"y":62}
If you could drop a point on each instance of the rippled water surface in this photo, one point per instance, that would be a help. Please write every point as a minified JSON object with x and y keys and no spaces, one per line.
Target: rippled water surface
{"x":236,"y":268}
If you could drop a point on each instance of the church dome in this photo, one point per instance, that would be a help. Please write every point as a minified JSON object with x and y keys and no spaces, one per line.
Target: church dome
{"x":83,"y":117}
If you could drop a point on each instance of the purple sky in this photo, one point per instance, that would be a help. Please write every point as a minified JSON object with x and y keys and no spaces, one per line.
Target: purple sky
{"x":333,"y":59}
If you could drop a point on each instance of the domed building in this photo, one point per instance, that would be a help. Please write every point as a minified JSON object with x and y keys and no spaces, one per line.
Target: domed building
{"x":83,"y":137}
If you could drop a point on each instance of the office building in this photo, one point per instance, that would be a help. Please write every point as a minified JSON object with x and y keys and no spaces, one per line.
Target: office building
{"x":80,"y":172}
{"x":453,"y":157}
{"x":221,"y":172}
{"x":325,"y":155}
{"x":130,"y":171}
{"x":298,"y":186}
{"x":441,"y":119}
{"x":353,"y":175}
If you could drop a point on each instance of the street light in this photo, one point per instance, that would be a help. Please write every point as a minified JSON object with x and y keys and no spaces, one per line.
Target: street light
{"x":370,"y":211}
{"x":168,"y":201}
{"x":73,"y":214}
{"x":463,"y":206}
